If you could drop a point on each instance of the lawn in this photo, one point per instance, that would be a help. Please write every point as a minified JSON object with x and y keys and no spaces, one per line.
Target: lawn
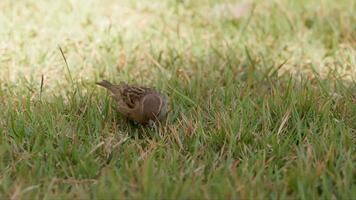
{"x":262,"y":97}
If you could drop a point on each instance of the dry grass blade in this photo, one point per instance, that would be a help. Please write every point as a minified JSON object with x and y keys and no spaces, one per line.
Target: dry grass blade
{"x":67,"y":66}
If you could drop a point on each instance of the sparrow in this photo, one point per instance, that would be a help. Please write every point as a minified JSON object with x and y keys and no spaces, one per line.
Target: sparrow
{"x":140,"y":104}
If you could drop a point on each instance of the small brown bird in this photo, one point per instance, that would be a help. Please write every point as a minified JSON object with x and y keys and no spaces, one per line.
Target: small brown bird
{"x":140,"y":104}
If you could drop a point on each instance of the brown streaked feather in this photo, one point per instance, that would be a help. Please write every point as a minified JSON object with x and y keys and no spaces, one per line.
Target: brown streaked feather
{"x":132,"y":94}
{"x":140,"y":104}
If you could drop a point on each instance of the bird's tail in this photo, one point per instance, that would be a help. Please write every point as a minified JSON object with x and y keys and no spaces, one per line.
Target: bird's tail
{"x":106,"y":84}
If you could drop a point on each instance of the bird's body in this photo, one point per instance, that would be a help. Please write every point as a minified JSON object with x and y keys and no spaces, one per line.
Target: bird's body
{"x":140,"y":104}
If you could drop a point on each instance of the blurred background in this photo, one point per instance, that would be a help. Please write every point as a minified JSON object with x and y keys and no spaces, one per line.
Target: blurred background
{"x":139,"y":40}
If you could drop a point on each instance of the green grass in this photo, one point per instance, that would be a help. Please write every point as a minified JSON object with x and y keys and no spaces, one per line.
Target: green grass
{"x":263,"y":104}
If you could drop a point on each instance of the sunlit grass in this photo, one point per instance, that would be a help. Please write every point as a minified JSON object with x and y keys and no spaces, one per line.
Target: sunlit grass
{"x":262,"y":98}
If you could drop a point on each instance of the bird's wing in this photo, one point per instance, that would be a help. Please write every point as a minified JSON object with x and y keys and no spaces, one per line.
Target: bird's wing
{"x":132,"y":95}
